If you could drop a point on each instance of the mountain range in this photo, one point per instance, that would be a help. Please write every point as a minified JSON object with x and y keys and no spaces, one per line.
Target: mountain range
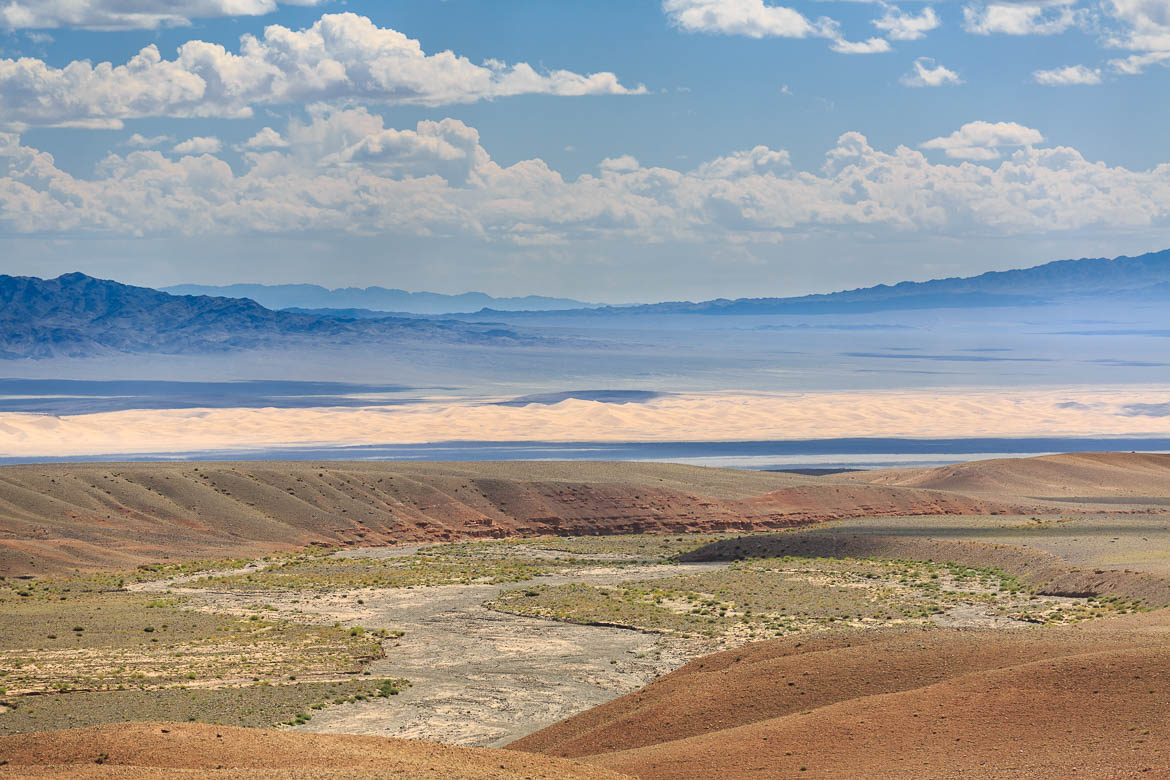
{"x":312,"y":296}
{"x":1145,"y":278}
{"x":76,"y":315}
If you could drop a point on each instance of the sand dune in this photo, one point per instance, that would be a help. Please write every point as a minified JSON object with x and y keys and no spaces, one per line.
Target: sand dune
{"x":59,"y":517}
{"x":147,"y":750}
{"x":683,"y":417}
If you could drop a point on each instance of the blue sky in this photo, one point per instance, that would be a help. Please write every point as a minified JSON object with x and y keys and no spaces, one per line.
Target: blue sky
{"x":606,"y":150}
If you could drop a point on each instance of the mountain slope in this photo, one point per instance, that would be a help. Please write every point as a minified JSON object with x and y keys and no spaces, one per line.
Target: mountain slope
{"x":312,"y":296}
{"x":76,"y":315}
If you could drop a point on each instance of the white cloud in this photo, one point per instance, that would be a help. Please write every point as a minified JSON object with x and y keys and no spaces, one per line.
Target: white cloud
{"x":758,"y":160}
{"x":267,"y":138}
{"x":907,"y":27}
{"x":928,"y":73}
{"x":344,"y":172}
{"x":1137,"y":63}
{"x":198,"y":145}
{"x":869,"y":46}
{"x":1145,"y":24}
{"x":143,"y":142}
{"x":752,"y":18}
{"x":983,"y":140}
{"x":1067,"y":76}
{"x":757,"y":19}
{"x":127,"y":14}
{"x":623,"y":164}
{"x":340,"y":58}
{"x":1023,"y":18}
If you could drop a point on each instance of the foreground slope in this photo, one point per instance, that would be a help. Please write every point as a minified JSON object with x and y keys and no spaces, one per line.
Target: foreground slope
{"x":941,"y":703}
{"x":60,"y":517}
{"x":192,"y":750}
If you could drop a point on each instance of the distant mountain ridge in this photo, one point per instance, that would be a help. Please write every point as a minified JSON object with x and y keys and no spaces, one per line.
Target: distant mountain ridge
{"x":1146,"y":278}
{"x":382,"y":299}
{"x":76,"y":315}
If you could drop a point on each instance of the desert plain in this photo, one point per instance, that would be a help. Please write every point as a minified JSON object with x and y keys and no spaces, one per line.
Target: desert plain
{"x":1000,"y":618}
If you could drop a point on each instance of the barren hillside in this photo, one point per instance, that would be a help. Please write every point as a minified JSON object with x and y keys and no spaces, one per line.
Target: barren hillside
{"x":941,"y":703}
{"x":61,"y":517}
{"x":1111,"y":477}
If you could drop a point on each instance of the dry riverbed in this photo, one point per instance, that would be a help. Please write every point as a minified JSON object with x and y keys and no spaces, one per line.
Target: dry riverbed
{"x":496,"y":638}
{"x":478,"y":676}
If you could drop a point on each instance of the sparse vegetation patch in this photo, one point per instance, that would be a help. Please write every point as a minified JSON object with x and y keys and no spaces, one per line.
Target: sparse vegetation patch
{"x":761,"y":598}
{"x":484,"y":562}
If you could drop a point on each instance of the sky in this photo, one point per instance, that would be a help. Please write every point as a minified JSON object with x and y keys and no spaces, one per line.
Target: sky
{"x":621,"y":151}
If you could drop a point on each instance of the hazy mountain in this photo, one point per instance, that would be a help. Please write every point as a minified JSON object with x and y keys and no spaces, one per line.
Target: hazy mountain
{"x":1144,"y":278}
{"x":311,"y":296}
{"x":77,"y":315}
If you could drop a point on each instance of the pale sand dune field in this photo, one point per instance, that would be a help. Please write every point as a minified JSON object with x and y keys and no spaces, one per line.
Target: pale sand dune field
{"x":687,"y":417}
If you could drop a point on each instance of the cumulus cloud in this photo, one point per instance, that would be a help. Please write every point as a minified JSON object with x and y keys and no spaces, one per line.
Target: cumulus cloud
{"x":1067,"y":76}
{"x":907,"y":27}
{"x":344,"y":172}
{"x":267,"y":138}
{"x":1022,"y":18}
{"x":752,"y":18}
{"x":198,"y":145}
{"x":140,"y":141}
{"x":756,"y":19}
{"x":340,"y":58}
{"x":127,"y":14}
{"x":928,"y":73}
{"x":758,"y":160}
{"x":627,"y":162}
{"x":983,"y":140}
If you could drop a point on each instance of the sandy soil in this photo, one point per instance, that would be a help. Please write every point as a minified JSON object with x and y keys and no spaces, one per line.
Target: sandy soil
{"x":148,"y":750}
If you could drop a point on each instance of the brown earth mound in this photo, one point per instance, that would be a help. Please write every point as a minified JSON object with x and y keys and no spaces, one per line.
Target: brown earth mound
{"x":142,"y":750}
{"x":55,"y":518}
{"x":1084,"y":701}
{"x":1117,"y":477}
